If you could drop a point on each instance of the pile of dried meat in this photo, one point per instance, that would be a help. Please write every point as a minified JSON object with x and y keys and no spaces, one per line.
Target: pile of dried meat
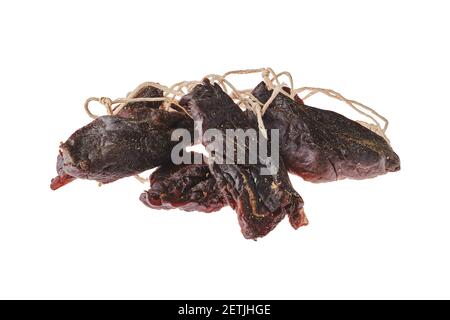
{"x":140,"y":133}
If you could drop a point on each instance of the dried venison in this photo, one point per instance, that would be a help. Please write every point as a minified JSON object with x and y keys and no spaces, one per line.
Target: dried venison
{"x":142,"y":110}
{"x":113,"y":147}
{"x":189,"y":187}
{"x":261,"y":202}
{"x":321,"y":145}
{"x":318,"y":145}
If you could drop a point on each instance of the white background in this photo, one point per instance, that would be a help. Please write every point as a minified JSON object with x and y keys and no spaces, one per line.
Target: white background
{"x":382,"y":238}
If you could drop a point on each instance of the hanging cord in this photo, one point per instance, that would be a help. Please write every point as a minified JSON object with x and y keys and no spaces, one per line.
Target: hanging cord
{"x":355,"y":105}
{"x":242,"y":97}
{"x":114,"y":106}
{"x":368,"y":112}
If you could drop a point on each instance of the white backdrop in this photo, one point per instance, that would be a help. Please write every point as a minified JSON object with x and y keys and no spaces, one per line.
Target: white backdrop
{"x":382,"y":238}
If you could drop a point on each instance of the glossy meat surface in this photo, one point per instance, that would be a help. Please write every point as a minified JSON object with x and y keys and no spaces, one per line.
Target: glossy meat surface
{"x":113,"y":147}
{"x":189,"y":187}
{"x":261,"y":201}
{"x":321,"y":145}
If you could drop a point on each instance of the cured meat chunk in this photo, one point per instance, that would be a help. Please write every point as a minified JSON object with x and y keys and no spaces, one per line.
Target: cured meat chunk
{"x":141,"y":110}
{"x":189,"y":187}
{"x":261,"y":201}
{"x":112,"y":147}
{"x":321,"y":145}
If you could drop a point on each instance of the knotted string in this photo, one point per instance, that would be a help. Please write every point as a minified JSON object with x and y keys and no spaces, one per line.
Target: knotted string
{"x":242,"y":97}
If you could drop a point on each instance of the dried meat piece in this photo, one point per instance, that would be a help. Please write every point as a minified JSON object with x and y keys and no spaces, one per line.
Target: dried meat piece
{"x":261,"y":201}
{"x":189,"y":187}
{"x":192,"y":187}
{"x":321,"y":145}
{"x":112,"y":147}
{"x":141,"y":110}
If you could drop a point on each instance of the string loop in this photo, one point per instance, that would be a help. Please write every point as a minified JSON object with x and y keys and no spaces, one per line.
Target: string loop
{"x":242,"y":97}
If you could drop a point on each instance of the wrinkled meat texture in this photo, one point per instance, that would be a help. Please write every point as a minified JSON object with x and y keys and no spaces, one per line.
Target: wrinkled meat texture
{"x":112,"y":147}
{"x":189,"y":187}
{"x":141,"y":110}
{"x":321,"y":145}
{"x":261,"y":201}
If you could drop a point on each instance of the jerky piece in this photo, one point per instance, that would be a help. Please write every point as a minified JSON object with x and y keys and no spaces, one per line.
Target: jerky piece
{"x":189,"y":187}
{"x":142,"y":109}
{"x":261,"y":202}
{"x":111,"y":147}
{"x":158,"y":117}
{"x":321,"y":145}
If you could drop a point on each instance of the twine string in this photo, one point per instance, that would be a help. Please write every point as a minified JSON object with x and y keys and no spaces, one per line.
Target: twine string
{"x":243,"y":98}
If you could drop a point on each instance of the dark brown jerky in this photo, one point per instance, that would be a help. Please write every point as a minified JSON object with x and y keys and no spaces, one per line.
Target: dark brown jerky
{"x":112,"y":147}
{"x":142,"y":109}
{"x":321,"y":145}
{"x":147,"y":91}
{"x":261,"y":202}
{"x":189,"y":187}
